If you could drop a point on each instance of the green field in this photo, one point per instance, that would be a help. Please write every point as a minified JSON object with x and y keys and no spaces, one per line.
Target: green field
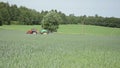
{"x":73,"y":46}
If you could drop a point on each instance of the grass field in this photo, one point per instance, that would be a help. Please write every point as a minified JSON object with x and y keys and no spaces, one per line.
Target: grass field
{"x":73,"y":46}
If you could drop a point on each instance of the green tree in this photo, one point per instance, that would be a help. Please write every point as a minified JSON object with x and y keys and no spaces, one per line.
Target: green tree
{"x":72,"y":19}
{"x":0,"y":19}
{"x":0,"y":23}
{"x":14,"y":12}
{"x":51,"y":21}
{"x":64,"y":18}
{"x":5,"y":13}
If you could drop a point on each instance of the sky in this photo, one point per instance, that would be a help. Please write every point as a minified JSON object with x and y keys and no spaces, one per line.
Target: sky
{"x":105,"y":8}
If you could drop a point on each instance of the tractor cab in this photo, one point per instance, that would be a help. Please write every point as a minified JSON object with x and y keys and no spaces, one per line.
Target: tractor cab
{"x":44,"y":31}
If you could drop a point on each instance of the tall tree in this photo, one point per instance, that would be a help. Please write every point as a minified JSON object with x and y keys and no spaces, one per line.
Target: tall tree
{"x":0,"y":23}
{"x":5,"y":13}
{"x":64,"y":18}
{"x":51,"y":21}
{"x":14,"y":12}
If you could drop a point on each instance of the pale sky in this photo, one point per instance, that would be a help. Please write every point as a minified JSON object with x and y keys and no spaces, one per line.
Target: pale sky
{"x":104,"y":8}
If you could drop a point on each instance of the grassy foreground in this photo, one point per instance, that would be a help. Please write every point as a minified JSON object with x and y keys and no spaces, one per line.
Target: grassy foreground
{"x":70,"y":47}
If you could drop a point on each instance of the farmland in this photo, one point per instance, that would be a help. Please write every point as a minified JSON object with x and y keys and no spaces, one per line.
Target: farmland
{"x":73,"y":46}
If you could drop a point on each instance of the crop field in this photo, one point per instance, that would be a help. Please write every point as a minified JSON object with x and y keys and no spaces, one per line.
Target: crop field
{"x":73,"y":46}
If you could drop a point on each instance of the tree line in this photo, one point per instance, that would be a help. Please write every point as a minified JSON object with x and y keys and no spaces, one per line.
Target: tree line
{"x":12,"y":14}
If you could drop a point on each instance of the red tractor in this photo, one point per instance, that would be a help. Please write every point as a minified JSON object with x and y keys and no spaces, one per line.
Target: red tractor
{"x":32,"y":31}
